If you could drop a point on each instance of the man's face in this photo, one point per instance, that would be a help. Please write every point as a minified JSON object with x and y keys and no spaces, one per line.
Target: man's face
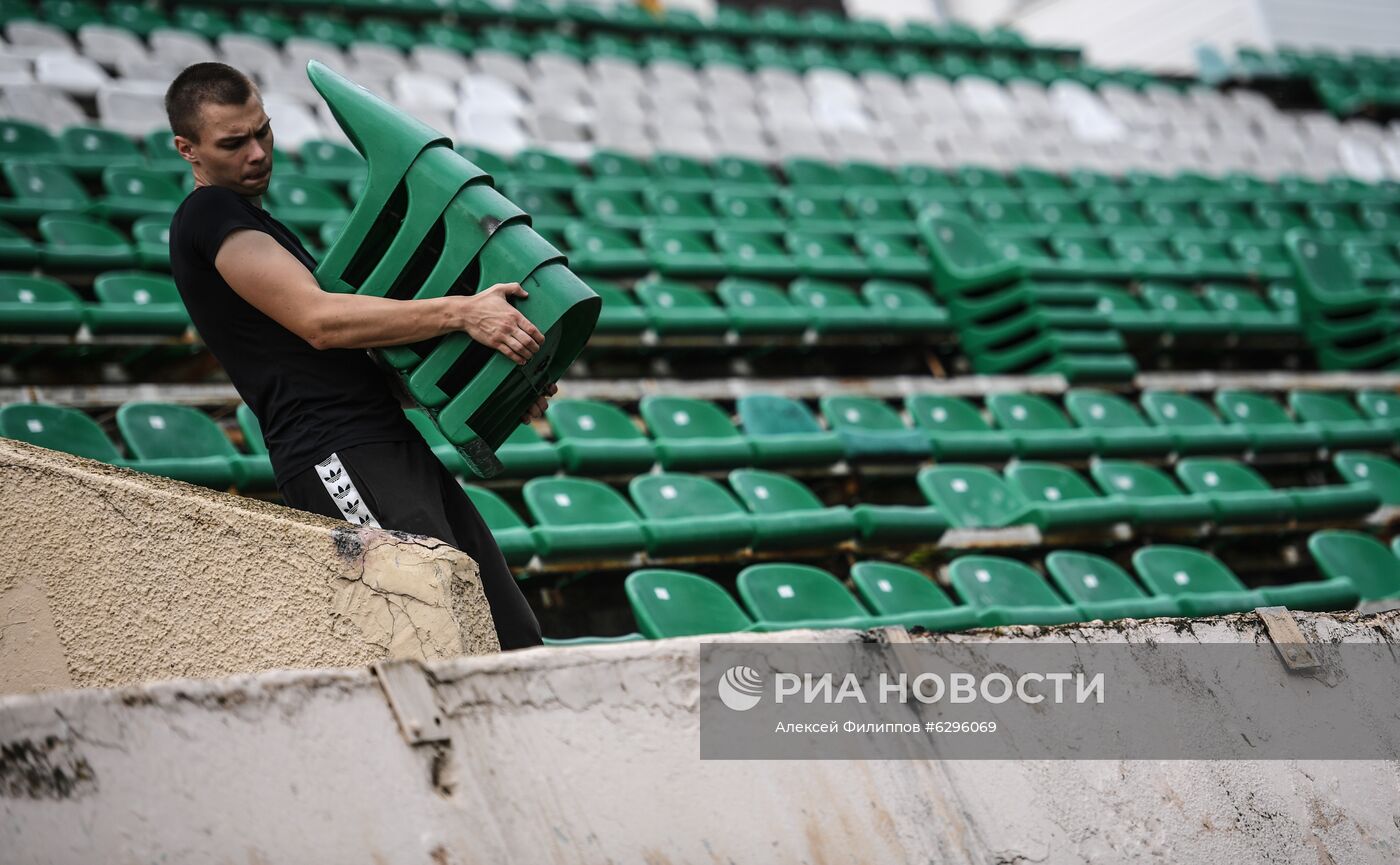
{"x":234,"y":149}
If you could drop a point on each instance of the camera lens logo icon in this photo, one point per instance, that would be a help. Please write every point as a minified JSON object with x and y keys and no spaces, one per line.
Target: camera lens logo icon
{"x":740,"y":688}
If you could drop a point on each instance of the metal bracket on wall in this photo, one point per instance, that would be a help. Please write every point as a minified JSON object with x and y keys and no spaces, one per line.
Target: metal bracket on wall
{"x":413,"y":701}
{"x":1292,"y":646}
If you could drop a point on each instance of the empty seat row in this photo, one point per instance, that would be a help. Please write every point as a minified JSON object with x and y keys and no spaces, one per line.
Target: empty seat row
{"x":128,"y":302}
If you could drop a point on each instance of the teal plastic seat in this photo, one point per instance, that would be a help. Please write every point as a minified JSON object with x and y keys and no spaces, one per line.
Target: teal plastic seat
{"x":757,"y":306}
{"x":1103,"y":590}
{"x":16,"y":248}
{"x":22,"y":141}
{"x":684,"y":173}
{"x":975,"y":497}
{"x":580,"y":519}
{"x":75,"y":242}
{"x":547,"y":169}
{"x":1154,"y":497}
{"x":183,"y":443}
{"x":619,"y":170}
{"x":1063,"y":499}
{"x":833,"y":308}
{"x":784,"y":433}
{"x":1381,"y":472}
{"x":598,"y":438}
{"x":685,"y":210}
{"x":826,"y":254}
{"x":37,"y":188}
{"x":747,"y":173}
{"x":893,"y":590}
{"x":748,"y":209}
{"x":1246,"y":311}
{"x":59,"y":428}
{"x":1267,"y":423}
{"x":871,"y":429}
{"x":1239,"y":494}
{"x":1117,"y":424}
{"x":1039,"y":428}
{"x":754,"y":253}
{"x":1359,"y":558}
{"x":611,"y":206}
{"x":90,"y":150}
{"x":893,"y":254}
{"x":133,"y":192}
{"x":1194,"y":426}
{"x":1205,"y":586}
{"x":1342,"y":424}
{"x":957,"y":430}
{"x":330,"y":162}
{"x":818,"y":210}
{"x":693,"y":434}
{"x":673,"y":306}
{"x":132,"y":301}
{"x":682,"y":253}
{"x":515,"y":539}
{"x":787,"y":515}
{"x":1379,"y":405}
{"x":1007,"y":592}
{"x":150,"y":237}
{"x":687,"y":515}
{"x":38,"y":304}
{"x":302,"y":201}
{"x":669,"y":603}
{"x":799,"y":596}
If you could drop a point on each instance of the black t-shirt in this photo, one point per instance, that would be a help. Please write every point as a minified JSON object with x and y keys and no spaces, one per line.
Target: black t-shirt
{"x":309,"y":402}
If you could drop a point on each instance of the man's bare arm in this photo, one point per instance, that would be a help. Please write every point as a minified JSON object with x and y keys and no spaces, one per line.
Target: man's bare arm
{"x":271,"y":279}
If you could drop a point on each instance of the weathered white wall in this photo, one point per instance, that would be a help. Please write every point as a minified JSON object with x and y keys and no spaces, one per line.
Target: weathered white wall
{"x":1372,"y":25}
{"x":591,"y":755}
{"x":893,"y":12}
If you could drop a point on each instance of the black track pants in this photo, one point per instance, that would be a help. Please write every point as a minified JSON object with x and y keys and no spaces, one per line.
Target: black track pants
{"x":401,"y":486}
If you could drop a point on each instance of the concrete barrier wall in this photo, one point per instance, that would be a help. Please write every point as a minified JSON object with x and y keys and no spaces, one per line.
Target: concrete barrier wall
{"x":591,"y":755}
{"x":109,"y":576}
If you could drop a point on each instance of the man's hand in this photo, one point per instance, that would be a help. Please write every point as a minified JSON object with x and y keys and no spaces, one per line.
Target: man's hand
{"x":536,"y":411}
{"x":492,"y":321}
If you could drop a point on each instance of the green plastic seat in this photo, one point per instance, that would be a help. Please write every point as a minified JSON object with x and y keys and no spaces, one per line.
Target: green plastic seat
{"x":1246,"y":311}
{"x":611,"y":206}
{"x":1039,"y":428}
{"x":826,"y":254}
{"x":1103,"y":590}
{"x":1381,"y":472}
{"x":576,"y":518}
{"x":137,"y":302}
{"x":1118,"y":425}
{"x":757,"y":306}
{"x":91,"y":150}
{"x":252,"y":431}
{"x":1350,"y":325}
{"x":137,"y":192}
{"x":816,"y":210}
{"x":59,"y":428}
{"x":1262,"y":258}
{"x":21,"y":140}
{"x":1331,"y":217}
{"x":686,"y":174}
{"x":542,"y":168}
{"x":1359,"y":558}
{"x":683,"y":210}
{"x":183,"y":443}
{"x":694,"y":434}
{"x":1196,"y":428}
{"x":598,"y":249}
{"x":673,"y":306}
{"x":302,"y":201}
{"x":494,"y":164}
{"x":689,"y":515}
{"x":515,"y":539}
{"x":331,"y":162}
{"x":37,"y":188}
{"x":1147,"y":257}
{"x":1373,"y":261}
{"x":524,"y":454}
{"x":151,"y":239}
{"x":740,"y":172}
{"x":975,"y":497}
{"x":905,"y":306}
{"x":798,"y":595}
{"x":1086,"y":256}
{"x":872,"y":430}
{"x":1268,"y":424}
{"x":1007,"y":592}
{"x":961,"y":258}
{"x":669,"y":603}
{"x":1205,"y":586}
{"x":748,"y":209}
{"x":754,"y":253}
{"x":74,"y":242}
{"x":618,"y":170}
{"x":784,"y":432}
{"x":682,"y":253}
{"x":38,"y":304}
{"x":833,"y":308}
{"x":884,"y":209}
{"x":957,"y":430}
{"x":893,"y":254}
{"x":1342,"y":424}
{"x":1063,"y":499}
{"x":443,"y":449}
{"x":786,"y":514}
{"x":1239,"y":493}
{"x":814,"y":174}
{"x":893,"y":590}
{"x":621,"y":314}
{"x":1381,"y":406}
{"x":598,"y":438}
{"x":1154,"y":497}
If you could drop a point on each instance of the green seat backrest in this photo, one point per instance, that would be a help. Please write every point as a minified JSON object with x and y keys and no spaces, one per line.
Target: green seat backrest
{"x":673,"y":294}
{"x":489,"y":161}
{"x":971,"y":496}
{"x":1314,"y":407}
{"x":1178,"y":410}
{"x":824,"y":294}
{"x":608,"y":205}
{"x":675,"y":496}
{"x":330,"y":156}
{"x":960,"y":244}
{"x":37,"y":181}
{"x":1321,"y":265}
{"x":73,"y":230}
{"x":945,"y":414}
{"x":861,"y":413}
{"x":814,"y":204}
{"x":743,"y":172}
{"x":1087,"y":578}
{"x":1048,"y":482}
{"x":586,"y":419}
{"x":57,"y":428}
{"x":678,"y":604}
{"x":1361,"y":558}
{"x":740,"y":293}
{"x":763,"y":414}
{"x":1132,"y":479}
{"x":154,"y":430}
{"x":498,"y":515}
{"x":789,"y":593}
{"x":612,"y":166}
{"x":741,"y":203}
{"x":890,"y":589}
{"x":20,"y":138}
{"x":1382,"y":473}
{"x":674,"y":168}
{"x":95,"y":141}
{"x":142,"y":183}
{"x":252,"y":430}
{"x":151,"y":229}
{"x":672,"y":417}
{"x":894,"y":297}
{"x":1171,"y":298}
{"x":1251,"y":409}
{"x":531,"y":161}
{"x":993,"y":581}
{"x":1096,"y":408}
{"x":575,"y":501}
{"x":1219,"y":476}
{"x":1228,"y":298}
{"x":1173,"y":570}
{"x":303,"y":192}
{"x":612,"y":295}
{"x":813,"y":173}
{"x":771,"y":493}
{"x":23,"y":288}
{"x":1016,"y":411}
{"x":1380,"y":404}
{"x":135,"y":287}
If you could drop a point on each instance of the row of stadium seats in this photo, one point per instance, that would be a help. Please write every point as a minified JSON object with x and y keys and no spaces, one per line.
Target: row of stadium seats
{"x":994,"y":591}
{"x":1346,"y":84}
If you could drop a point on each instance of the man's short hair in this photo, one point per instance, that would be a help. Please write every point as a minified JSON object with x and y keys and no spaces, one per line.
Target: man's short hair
{"x":199,"y":85}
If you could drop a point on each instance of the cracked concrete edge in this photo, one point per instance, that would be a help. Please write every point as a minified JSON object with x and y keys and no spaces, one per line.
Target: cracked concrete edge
{"x":112,"y":576}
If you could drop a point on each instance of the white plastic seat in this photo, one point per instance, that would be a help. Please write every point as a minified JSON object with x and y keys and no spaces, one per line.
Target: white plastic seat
{"x":299,"y":51}
{"x":500,"y":133}
{"x":1087,"y":116}
{"x":933,"y":94}
{"x":419,"y":91}
{"x":632,"y":139}
{"x":744,"y":142}
{"x":109,"y":45}
{"x":695,"y":143}
{"x":442,"y":62}
{"x":69,"y":72}
{"x":180,"y":47}
{"x":551,"y":64}
{"x":132,"y":107}
{"x":615,"y":73}
{"x":481,"y":93}
{"x":30,"y":38}
{"x":256,"y":56}
{"x":16,"y":71}
{"x":773,"y":80}
{"x":736,"y":85}
{"x":49,"y":108}
{"x":374,"y":60}
{"x":294,"y":123}
{"x":502,"y":65}
{"x":674,"y":79}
